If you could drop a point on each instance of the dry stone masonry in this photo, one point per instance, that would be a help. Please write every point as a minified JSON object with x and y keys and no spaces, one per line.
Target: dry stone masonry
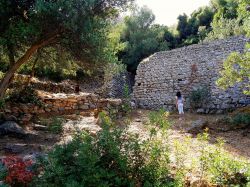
{"x":161,"y":75}
{"x":56,"y":104}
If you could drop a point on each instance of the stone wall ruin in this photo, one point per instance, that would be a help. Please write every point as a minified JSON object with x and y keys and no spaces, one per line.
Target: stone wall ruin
{"x":161,"y":75}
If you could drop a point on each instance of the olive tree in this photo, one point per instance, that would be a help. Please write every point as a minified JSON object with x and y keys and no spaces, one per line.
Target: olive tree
{"x":79,"y":26}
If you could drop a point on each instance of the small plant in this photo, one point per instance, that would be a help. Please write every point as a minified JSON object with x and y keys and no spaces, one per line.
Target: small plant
{"x":199,"y":97}
{"x":3,"y":172}
{"x":159,"y":118}
{"x":204,"y":157}
{"x":126,"y":106}
{"x":181,"y":149}
{"x":25,"y":95}
{"x":219,"y":167}
{"x":17,"y":172}
{"x":241,"y":119}
{"x":55,"y":126}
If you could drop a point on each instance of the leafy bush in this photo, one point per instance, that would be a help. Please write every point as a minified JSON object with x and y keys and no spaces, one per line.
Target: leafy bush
{"x":241,"y":118}
{"x":220,"y":167}
{"x":3,"y":172}
{"x":56,"y":125}
{"x":199,"y":97}
{"x":126,"y":106}
{"x":236,"y":119}
{"x":113,"y":157}
{"x":213,"y":165}
{"x":159,"y":118}
{"x":25,"y":95}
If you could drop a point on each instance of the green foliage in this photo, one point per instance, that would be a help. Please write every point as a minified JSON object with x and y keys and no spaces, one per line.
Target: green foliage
{"x":126,"y":106}
{"x":141,"y":38}
{"x":3,"y":175}
{"x":224,"y":28}
{"x":225,"y":9}
{"x":236,"y":69}
{"x":56,"y":125}
{"x":231,"y":18}
{"x":199,"y":97}
{"x":181,"y":150}
{"x":24,"y":95}
{"x":189,"y":28}
{"x":76,"y":32}
{"x":213,"y":164}
{"x":159,"y":118}
{"x":220,"y":167}
{"x":236,"y":66}
{"x":3,"y":172}
{"x":113,"y":157}
{"x":241,"y":119}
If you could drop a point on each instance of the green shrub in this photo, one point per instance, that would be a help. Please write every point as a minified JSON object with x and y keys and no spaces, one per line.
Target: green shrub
{"x":113,"y":157}
{"x":236,"y":119}
{"x":25,"y":95}
{"x":126,"y":106}
{"x":199,"y":97}
{"x":221,"y":168}
{"x":159,"y":118}
{"x":55,"y":126}
{"x":3,"y":172}
{"x":3,"y":175}
{"x":241,"y":118}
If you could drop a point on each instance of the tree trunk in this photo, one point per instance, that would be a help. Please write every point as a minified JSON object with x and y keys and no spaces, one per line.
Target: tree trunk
{"x":33,"y":69}
{"x":5,"y":82}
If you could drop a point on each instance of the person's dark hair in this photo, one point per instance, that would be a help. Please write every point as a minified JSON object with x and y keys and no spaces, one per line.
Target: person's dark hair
{"x":178,"y":94}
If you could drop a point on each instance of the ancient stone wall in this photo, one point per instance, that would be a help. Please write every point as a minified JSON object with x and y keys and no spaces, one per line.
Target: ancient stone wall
{"x":55,"y":104}
{"x":119,"y":86}
{"x":161,"y":75}
{"x":120,"y":82}
{"x":87,"y":84}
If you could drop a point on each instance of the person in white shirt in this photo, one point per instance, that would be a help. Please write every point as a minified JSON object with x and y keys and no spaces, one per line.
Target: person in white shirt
{"x":179,"y":103}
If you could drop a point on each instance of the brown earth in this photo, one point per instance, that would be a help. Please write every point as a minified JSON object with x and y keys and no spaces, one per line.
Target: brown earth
{"x":237,"y":141}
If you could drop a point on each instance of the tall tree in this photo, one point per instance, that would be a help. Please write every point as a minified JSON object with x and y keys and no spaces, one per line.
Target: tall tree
{"x":78,"y":26}
{"x":141,"y":37}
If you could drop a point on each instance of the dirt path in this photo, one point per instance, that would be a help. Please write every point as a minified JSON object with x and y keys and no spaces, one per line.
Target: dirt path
{"x":235,"y":141}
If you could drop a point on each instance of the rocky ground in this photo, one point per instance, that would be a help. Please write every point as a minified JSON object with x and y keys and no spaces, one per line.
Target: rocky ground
{"x":37,"y":138}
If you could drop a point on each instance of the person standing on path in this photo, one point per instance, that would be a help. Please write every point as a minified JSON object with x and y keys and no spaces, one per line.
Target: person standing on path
{"x":179,"y":103}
